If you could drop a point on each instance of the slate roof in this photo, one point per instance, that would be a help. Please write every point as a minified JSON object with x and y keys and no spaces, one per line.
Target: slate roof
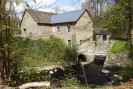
{"x":54,"y":18}
{"x":72,"y":16}
{"x":100,"y":31}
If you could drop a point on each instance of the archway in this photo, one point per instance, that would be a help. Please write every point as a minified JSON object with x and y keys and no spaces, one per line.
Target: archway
{"x":82,"y":58}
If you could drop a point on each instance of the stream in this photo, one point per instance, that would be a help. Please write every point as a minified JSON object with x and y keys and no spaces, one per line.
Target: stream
{"x":88,"y":73}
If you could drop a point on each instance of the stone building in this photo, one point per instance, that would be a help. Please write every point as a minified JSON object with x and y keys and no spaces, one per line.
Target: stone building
{"x":101,"y":35}
{"x":73,"y":27}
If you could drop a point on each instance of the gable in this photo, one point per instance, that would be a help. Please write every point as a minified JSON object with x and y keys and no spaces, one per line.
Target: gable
{"x":27,"y":19}
{"x":84,"y":19}
{"x":52,"y":18}
{"x":39,"y":16}
{"x":86,"y":16}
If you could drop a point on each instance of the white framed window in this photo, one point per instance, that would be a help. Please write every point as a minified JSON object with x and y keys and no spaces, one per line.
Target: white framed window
{"x":58,"y":29}
{"x":68,"y":29}
{"x":69,"y":42}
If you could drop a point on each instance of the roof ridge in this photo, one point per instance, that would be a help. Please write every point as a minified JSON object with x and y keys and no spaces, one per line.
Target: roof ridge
{"x":40,"y":11}
{"x":70,"y":12}
{"x":54,"y":18}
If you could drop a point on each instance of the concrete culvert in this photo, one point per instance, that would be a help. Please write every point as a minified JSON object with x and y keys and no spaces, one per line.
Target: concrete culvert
{"x":99,"y":59}
{"x":82,"y":58}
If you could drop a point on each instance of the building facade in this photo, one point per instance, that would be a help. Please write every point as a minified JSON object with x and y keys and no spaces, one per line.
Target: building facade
{"x":73,"y":27}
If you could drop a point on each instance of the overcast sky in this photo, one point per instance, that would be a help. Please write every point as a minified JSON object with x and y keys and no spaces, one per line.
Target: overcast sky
{"x":48,"y":5}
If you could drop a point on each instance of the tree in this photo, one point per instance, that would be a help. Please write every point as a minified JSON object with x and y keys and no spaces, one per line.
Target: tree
{"x":130,"y":23}
{"x":4,"y":52}
{"x":7,"y":20}
{"x":96,"y":8}
{"x":5,"y":37}
{"x":118,"y":20}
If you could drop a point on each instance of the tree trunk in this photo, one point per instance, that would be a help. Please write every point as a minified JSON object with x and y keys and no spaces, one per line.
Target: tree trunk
{"x":129,"y":9}
{"x":4,"y":51}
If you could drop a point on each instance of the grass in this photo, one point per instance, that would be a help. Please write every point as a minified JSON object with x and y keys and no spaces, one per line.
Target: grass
{"x":120,"y":46}
{"x":42,"y":52}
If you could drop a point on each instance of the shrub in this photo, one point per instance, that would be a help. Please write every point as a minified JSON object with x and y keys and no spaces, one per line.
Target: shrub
{"x":36,"y":53}
{"x":28,"y":76}
{"x":127,"y":72}
{"x":51,"y":51}
{"x":70,"y":80}
{"x":33,"y":75}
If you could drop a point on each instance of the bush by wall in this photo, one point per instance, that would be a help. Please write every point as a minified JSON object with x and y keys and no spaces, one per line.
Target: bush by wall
{"x":42,"y":52}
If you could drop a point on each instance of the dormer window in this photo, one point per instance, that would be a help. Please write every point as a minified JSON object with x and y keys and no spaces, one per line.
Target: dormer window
{"x":58,"y":29}
{"x":68,"y":29}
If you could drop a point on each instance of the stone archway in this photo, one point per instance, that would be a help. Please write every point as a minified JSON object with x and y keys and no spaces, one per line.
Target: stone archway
{"x":82,"y":58}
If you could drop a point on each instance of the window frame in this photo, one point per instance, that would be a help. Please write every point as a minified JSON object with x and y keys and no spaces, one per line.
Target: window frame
{"x":104,"y":38}
{"x":58,"y":29}
{"x":68,"y":29}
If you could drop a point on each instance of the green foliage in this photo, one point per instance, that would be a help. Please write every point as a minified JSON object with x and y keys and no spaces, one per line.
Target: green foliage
{"x":116,"y":23}
{"x":70,"y":80}
{"x":116,"y":19}
{"x":28,"y":76}
{"x":33,"y":75}
{"x":127,"y":72}
{"x":51,"y":51}
{"x":17,"y":2}
{"x":120,"y":46}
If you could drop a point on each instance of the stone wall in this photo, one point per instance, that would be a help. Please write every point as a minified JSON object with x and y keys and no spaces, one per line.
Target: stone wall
{"x":63,"y":33}
{"x":29,"y":25}
{"x":81,"y":32}
{"x":44,"y":31}
{"x":119,"y":60}
{"x":84,"y":28}
{"x":34,"y":30}
{"x":99,"y":38}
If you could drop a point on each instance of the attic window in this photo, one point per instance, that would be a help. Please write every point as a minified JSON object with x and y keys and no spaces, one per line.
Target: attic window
{"x":24,"y":29}
{"x":58,"y":29}
{"x":68,"y":28}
